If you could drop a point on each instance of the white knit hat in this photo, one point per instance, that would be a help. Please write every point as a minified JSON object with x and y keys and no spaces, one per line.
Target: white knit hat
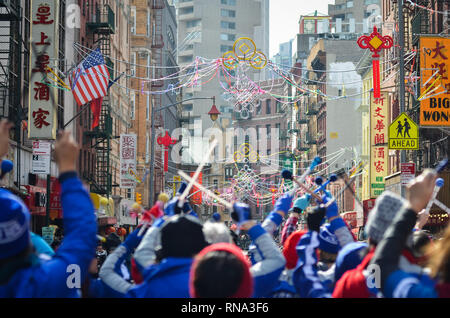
{"x":387,"y":205}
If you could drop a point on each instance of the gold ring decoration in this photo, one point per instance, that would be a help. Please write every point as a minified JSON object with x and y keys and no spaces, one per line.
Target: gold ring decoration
{"x":246,"y":47}
{"x":229,"y":60}
{"x":259,"y":61}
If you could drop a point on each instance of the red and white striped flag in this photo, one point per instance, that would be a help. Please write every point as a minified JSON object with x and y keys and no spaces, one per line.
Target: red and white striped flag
{"x":89,"y":81}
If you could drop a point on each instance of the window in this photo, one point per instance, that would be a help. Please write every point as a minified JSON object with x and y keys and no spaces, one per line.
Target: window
{"x":226,"y":109}
{"x":268,"y":106}
{"x":192,"y":23}
{"x":133,"y":20}
{"x":349,"y":4}
{"x":257,"y":132}
{"x":149,"y":23}
{"x":149,"y":64}
{"x":171,"y":37}
{"x":186,"y":10}
{"x":188,"y":107}
{"x":132,"y":105}
{"x":228,"y":13}
{"x":227,"y":37}
{"x":258,"y":108}
{"x":133,"y":63}
{"x":228,"y":2}
{"x":227,"y":25}
{"x":226,"y":48}
{"x":279,"y":107}
{"x":148,"y":108}
{"x":268,"y":131}
{"x":186,"y":59}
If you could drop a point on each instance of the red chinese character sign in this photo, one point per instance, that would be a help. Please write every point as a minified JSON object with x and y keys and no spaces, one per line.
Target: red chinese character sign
{"x":166,"y":141}
{"x":375,"y":42}
{"x":379,"y":156}
{"x":44,"y":25}
{"x":128,"y":148}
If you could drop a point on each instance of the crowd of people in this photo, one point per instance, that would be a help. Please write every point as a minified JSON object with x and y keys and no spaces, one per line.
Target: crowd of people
{"x":174,"y":255}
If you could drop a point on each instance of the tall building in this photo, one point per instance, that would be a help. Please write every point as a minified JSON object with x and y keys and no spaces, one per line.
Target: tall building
{"x":154,"y":41}
{"x":208,"y":29}
{"x":354,"y":17}
{"x":427,"y":19}
{"x":283,"y":58}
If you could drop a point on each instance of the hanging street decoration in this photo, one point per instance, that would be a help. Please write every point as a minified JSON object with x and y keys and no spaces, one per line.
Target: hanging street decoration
{"x":166,"y":141}
{"x":375,"y":42}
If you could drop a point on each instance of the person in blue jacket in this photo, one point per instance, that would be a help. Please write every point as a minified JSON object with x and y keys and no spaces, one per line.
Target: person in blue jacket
{"x":309,"y":280}
{"x":164,"y":258}
{"x":22,"y":273}
{"x":222,"y":271}
{"x":395,"y":282}
{"x":114,"y":264}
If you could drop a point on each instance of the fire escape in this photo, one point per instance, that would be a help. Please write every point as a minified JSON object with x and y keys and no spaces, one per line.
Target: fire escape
{"x":102,"y":27}
{"x":10,"y":69}
{"x":157,"y":86}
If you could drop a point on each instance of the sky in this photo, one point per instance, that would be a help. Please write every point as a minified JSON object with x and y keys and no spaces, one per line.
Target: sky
{"x":284,"y":17}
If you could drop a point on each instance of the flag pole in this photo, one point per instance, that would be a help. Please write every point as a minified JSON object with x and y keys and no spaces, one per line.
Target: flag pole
{"x":77,"y":115}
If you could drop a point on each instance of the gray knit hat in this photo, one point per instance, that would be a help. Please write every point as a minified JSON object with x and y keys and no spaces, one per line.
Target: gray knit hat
{"x":387,"y":205}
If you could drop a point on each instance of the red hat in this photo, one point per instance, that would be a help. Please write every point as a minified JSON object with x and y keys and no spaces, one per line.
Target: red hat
{"x":245,"y":290}
{"x":289,"y":248}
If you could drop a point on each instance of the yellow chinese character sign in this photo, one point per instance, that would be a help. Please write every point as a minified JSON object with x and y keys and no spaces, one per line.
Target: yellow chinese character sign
{"x":379,"y":108}
{"x":435,"y":86}
{"x":403,"y":133}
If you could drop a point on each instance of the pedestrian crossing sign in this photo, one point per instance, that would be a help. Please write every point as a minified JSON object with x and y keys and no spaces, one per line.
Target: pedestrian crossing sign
{"x":403,"y":133}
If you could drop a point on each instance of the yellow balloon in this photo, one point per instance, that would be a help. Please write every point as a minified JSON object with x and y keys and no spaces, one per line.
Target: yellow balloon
{"x":104,"y":201}
{"x":136,"y":206}
{"x":163,"y":197}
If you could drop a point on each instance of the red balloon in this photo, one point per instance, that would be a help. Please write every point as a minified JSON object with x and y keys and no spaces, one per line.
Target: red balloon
{"x":121,"y":231}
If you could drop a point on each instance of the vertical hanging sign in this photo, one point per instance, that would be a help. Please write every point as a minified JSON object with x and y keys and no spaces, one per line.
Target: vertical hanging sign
{"x":375,"y":42}
{"x":379,"y":108}
{"x":128,"y":144}
{"x":435,"y":81}
{"x":43,"y":99}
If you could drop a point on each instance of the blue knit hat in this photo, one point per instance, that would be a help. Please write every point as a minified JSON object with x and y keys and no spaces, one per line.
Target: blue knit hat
{"x":14,"y":225}
{"x":349,"y":258}
{"x":328,"y":242}
{"x":302,"y":202}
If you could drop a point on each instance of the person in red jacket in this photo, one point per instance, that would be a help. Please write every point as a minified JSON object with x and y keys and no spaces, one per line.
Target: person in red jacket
{"x":355,"y":283}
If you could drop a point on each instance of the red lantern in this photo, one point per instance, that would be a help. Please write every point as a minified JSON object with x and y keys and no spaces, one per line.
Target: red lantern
{"x":110,"y":230}
{"x":121,"y":231}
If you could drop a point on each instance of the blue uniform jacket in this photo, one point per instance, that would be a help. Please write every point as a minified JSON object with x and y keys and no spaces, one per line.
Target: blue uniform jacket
{"x":63,"y":274}
{"x":168,"y":279}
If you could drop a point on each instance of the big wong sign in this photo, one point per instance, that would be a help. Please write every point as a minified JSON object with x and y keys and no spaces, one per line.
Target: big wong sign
{"x":435,"y":86}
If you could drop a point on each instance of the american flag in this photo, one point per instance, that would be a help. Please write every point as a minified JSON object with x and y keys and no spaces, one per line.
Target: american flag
{"x":89,"y":81}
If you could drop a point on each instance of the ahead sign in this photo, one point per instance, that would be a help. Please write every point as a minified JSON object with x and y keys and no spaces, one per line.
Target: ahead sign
{"x":403,"y":133}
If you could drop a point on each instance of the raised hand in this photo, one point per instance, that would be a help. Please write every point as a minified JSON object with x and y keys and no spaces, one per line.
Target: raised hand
{"x":420,"y":191}
{"x":5,"y":127}
{"x":66,"y":152}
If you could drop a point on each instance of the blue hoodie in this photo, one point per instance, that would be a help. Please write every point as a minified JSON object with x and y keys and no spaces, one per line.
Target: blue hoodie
{"x":71,"y":261}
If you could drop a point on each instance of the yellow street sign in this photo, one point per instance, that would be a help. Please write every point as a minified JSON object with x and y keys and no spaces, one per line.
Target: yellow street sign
{"x":403,"y":133}
{"x":176,"y":181}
